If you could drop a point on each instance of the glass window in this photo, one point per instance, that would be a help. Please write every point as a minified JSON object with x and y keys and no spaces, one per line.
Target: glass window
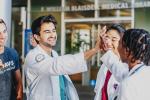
{"x":46,"y":3}
{"x":79,"y":9}
{"x":79,"y":14}
{"x":113,"y":12}
{"x":77,"y":37}
{"x":79,"y":2}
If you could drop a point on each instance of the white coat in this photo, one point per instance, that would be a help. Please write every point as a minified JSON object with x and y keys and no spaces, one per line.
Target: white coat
{"x":112,"y":83}
{"x":119,"y":69}
{"x":41,"y":71}
{"x":135,"y":84}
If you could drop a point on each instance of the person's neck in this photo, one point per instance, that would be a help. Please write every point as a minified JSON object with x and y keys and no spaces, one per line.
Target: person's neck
{"x":133,"y":64}
{"x":48,"y":50}
{"x":1,"y":49}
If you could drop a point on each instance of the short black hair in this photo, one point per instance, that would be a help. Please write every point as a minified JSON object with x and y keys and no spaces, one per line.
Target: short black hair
{"x":36,"y":24}
{"x":119,"y":28}
{"x":137,"y":42}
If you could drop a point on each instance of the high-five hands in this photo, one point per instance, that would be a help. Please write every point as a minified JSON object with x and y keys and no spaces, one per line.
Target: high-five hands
{"x":105,"y":42}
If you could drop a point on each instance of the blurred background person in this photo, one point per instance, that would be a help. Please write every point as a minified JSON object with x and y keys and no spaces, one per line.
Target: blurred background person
{"x":10,"y":75}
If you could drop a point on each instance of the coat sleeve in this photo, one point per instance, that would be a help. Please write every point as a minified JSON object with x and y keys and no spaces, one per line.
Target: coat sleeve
{"x":117,"y":67}
{"x":67,"y":64}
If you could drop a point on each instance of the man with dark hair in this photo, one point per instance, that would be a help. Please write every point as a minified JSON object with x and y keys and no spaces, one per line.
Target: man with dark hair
{"x":134,"y":49}
{"x":10,"y":76}
{"x":43,"y":66}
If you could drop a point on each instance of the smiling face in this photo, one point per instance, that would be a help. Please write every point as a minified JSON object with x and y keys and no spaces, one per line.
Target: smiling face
{"x":114,"y":36}
{"x":116,"y":41}
{"x":48,"y":35}
{"x":3,"y":34}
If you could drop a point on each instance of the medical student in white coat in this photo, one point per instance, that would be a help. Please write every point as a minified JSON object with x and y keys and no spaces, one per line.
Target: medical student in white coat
{"x":113,"y":35}
{"x":134,"y":74}
{"x":43,"y":66}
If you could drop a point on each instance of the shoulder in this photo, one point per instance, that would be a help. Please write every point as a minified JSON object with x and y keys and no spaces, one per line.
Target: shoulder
{"x":34,"y":55}
{"x":144,"y":72}
{"x":11,"y":52}
{"x":140,"y":76}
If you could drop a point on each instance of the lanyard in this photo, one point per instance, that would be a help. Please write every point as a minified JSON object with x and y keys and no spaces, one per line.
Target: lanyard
{"x":137,"y":69}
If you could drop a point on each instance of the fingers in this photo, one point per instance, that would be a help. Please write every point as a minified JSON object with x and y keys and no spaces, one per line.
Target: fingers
{"x":103,"y":31}
{"x":101,"y":37}
{"x":106,"y":44}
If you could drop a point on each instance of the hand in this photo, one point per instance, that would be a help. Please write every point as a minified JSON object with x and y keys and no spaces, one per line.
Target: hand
{"x":101,"y":37}
{"x":19,"y":98}
{"x":1,"y":64}
{"x":19,"y":95}
{"x":105,"y":42}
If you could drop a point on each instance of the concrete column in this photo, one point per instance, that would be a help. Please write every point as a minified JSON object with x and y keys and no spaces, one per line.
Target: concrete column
{"x":5,"y":14}
{"x":63,"y":34}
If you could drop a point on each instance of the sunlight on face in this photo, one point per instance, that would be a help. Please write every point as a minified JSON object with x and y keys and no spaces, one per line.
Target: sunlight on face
{"x":114,"y":36}
{"x":48,"y":35}
{"x":3,"y":34}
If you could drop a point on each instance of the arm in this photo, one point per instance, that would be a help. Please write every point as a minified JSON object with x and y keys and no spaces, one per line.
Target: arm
{"x":113,"y":63}
{"x":67,"y":64}
{"x":19,"y":87}
{"x":88,"y":54}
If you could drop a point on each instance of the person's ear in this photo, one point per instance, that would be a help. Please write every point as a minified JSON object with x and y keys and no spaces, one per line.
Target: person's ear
{"x":36,"y":37}
{"x":127,"y":52}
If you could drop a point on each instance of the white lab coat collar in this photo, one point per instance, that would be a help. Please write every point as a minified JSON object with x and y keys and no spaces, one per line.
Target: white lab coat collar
{"x":41,"y":50}
{"x":134,"y":68}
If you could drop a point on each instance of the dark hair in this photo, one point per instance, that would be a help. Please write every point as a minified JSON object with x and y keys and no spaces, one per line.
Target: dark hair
{"x":2,"y":22}
{"x":36,"y":24}
{"x":120,"y":29}
{"x":137,"y":42}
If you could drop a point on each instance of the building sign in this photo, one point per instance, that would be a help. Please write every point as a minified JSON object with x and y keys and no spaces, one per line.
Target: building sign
{"x":115,"y":6}
{"x":72,"y":8}
{"x":126,"y":5}
{"x":120,"y":5}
